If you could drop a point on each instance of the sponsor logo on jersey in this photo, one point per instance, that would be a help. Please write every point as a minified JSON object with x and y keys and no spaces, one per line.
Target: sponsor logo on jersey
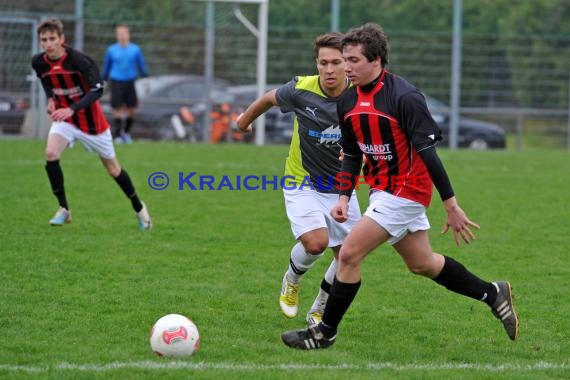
{"x":71,"y":92}
{"x":329,"y":136}
{"x":312,"y":111}
{"x":379,"y":152}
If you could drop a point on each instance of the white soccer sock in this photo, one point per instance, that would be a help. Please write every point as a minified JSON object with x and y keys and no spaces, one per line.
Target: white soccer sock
{"x":329,"y":276}
{"x":300,"y":262}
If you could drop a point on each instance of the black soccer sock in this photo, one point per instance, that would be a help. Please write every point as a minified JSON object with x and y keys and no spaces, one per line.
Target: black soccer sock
{"x":340,"y":297}
{"x":325,"y":286}
{"x":128,"y":188}
{"x":55,"y":175}
{"x":455,"y":277}
{"x":128,"y":124}
{"x":118,"y":123}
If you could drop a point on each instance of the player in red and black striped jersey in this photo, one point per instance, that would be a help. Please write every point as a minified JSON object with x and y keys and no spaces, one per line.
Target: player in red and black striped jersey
{"x":385,"y":118}
{"x":73,"y":85}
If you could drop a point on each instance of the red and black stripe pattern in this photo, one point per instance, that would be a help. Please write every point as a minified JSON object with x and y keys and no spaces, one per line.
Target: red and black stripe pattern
{"x":375,"y":122}
{"x":69,"y":79}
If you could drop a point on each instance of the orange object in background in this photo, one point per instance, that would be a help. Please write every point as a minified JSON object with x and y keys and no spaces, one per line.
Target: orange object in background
{"x":221,"y":122}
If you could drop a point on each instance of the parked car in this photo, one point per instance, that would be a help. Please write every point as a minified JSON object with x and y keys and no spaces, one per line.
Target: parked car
{"x":278,"y":125}
{"x":162,"y":97}
{"x":473,"y":134}
{"x":13,"y":107}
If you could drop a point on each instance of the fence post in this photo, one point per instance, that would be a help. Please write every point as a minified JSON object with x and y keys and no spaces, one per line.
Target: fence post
{"x":519,"y":130}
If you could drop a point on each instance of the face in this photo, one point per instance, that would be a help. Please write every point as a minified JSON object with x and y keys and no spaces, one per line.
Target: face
{"x":123,"y":35}
{"x":52,"y":44}
{"x":357,"y":67}
{"x":331,"y":71}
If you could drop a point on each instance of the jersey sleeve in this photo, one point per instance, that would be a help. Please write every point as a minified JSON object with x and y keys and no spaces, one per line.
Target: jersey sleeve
{"x":88,"y":69}
{"x":285,"y":96}
{"x":417,"y":122}
{"x":141,"y":63}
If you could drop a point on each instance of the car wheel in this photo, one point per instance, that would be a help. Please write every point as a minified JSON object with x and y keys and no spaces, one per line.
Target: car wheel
{"x":478,"y":144}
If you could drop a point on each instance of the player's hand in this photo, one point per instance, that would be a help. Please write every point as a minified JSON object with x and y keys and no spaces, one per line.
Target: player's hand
{"x":340,"y":211}
{"x":61,"y":114}
{"x":241,"y":125}
{"x":341,"y":155}
{"x":50,"y":106}
{"x":459,"y":223}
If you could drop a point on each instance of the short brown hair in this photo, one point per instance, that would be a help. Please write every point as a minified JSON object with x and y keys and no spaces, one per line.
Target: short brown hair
{"x":51,"y":25}
{"x":328,"y":40}
{"x":373,"y":40}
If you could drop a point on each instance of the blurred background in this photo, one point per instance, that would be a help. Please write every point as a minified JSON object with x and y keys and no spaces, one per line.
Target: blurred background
{"x":513,"y":84}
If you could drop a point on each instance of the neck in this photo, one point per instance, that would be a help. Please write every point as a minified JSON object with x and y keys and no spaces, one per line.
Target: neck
{"x":370,"y":85}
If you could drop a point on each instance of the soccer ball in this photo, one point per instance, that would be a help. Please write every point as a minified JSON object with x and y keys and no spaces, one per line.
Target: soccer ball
{"x":174,"y":335}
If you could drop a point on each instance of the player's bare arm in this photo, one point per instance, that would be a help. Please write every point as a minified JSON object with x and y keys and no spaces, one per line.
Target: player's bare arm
{"x":458,"y":222}
{"x":258,"y":107}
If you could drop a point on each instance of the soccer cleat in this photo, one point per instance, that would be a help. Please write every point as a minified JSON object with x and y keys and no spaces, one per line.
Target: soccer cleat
{"x":289,"y":298}
{"x":314,"y":317}
{"x":61,"y":217}
{"x":127,"y":138}
{"x":310,"y":338}
{"x":145,"y":223}
{"x":504,"y":310}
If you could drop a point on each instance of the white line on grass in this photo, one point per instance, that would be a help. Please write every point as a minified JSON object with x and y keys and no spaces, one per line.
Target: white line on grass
{"x":202,"y":366}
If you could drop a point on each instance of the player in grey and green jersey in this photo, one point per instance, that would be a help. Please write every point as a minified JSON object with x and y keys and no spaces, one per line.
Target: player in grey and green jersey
{"x":311,"y":168}
{"x":315,"y":148}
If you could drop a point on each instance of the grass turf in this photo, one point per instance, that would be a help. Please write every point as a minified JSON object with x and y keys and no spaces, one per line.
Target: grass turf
{"x":79,"y":301}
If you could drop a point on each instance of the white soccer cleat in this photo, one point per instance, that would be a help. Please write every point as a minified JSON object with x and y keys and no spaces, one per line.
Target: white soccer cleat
{"x":61,"y":217}
{"x":145,"y":223}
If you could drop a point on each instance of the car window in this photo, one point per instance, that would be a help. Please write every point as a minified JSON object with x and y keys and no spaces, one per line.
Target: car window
{"x":193,"y":91}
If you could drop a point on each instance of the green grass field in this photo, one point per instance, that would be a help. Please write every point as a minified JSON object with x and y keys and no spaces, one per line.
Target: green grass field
{"x":78,"y":302}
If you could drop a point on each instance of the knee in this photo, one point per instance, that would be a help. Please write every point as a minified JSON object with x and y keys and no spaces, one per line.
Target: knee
{"x":348,"y":256}
{"x":52,"y":154}
{"x":315,"y":247}
{"x":425,"y":269}
{"x":114,"y":170}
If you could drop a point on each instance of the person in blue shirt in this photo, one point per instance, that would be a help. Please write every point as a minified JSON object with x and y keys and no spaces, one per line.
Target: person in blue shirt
{"x":124,"y":62}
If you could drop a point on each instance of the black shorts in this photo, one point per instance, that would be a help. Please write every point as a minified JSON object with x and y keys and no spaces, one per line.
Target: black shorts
{"x":123,"y":94}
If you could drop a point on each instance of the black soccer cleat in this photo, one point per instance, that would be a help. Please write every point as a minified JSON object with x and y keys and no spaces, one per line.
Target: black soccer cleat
{"x":310,"y":338}
{"x":504,"y":310}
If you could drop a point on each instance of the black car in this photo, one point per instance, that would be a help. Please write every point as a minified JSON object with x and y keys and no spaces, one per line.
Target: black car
{"x":473,"y":134}
{"x":162,"y":97}
{"x":13,"y":107}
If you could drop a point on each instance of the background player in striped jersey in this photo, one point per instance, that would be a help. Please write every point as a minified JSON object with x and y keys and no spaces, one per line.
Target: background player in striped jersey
{"x":387,"y":119}
{"x":123,"y":63}
{"x":73,"y":86}
{"x":312,"y":164}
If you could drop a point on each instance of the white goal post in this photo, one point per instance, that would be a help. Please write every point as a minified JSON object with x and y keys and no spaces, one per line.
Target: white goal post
{"x":260,"y":32}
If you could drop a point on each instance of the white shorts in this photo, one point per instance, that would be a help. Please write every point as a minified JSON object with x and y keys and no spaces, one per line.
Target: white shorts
{"x":102,"y":144}
{"x":309,"y":210}
{"x":397,"y":215}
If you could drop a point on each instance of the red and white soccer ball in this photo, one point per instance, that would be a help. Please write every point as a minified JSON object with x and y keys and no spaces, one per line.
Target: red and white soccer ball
{"x":174,"y":335}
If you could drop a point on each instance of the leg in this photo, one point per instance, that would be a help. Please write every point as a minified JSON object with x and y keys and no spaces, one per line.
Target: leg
{"x":118,"y":122}
{"x":124,"y":181}
{"x":304,"y":254}
{"x":315,"y":313}
{"x":416,"y":252}
{"x":56,"y":145}
{"x":363,"y":239}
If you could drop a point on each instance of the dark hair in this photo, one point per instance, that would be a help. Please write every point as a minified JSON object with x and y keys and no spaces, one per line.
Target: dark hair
{"x":51,"y":25}
{"x":328,"y":40}
{"x":373,"y":40}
